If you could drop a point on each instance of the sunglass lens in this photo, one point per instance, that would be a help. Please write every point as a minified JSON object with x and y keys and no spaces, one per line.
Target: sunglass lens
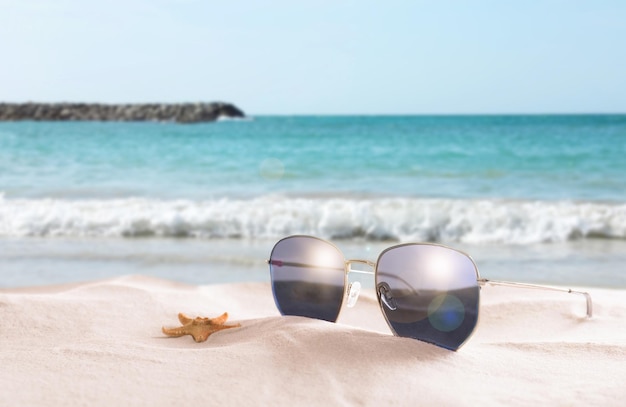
{"x":308,"y":277}
{"x":428,"y":292}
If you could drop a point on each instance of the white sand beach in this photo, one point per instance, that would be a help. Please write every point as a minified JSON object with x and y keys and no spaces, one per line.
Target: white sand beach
{"x":100,"y":344}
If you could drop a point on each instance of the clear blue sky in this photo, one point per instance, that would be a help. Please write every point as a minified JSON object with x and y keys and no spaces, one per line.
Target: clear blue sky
{"x":320,"y":57}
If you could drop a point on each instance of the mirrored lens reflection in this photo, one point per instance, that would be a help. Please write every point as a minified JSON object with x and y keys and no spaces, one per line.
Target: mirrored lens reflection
{"x":308,"y":277}
{"x":428,"y":292}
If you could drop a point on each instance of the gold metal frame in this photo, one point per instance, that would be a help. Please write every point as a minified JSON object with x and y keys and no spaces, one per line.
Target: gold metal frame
{"x":484,"y":281}
{"x":347,"y":269}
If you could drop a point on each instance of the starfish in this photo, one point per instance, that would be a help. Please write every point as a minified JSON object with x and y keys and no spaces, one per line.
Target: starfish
{"x":200,"y":328}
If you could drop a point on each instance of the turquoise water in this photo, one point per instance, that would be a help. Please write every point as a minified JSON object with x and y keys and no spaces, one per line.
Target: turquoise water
{"x":514,"y":157}
{"x":528,"y":182}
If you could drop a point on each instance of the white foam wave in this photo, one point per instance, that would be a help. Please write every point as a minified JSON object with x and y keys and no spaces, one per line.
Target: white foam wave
{"x":402,"y":219}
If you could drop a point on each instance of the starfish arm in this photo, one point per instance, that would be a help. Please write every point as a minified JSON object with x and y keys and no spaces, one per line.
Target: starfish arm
{"x":219,"y":320}
{"x":175,"y":332}
{"x":201,"y":333}
{"x":184,"y":319}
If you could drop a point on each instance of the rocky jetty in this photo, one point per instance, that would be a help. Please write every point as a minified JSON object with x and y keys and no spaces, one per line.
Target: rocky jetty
{"x":180,"y":113}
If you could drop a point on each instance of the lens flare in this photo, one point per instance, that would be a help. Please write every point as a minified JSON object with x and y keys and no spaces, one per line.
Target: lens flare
{"x":446,"y":312}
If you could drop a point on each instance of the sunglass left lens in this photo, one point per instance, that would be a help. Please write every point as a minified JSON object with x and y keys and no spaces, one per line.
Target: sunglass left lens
{"x":428,"y":292}
{"x":308,"y":277}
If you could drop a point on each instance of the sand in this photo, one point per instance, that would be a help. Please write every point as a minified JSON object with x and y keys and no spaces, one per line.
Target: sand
{"x":100,"y":344}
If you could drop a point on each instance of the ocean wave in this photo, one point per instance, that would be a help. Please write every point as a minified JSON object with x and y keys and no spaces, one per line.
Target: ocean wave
{"x":400,"y":219}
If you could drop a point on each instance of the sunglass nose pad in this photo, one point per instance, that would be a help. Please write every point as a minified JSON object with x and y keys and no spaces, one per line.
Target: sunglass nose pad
{"x":353,"y":293}
{"x":384,"y":292}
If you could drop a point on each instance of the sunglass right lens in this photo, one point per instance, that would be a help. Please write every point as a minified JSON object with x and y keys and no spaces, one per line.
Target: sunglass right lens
{"x":308,"y":277}
{"x":428,"y":292}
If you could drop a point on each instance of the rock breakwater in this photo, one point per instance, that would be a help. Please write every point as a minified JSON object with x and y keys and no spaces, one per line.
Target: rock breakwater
{"x":180,"y":113}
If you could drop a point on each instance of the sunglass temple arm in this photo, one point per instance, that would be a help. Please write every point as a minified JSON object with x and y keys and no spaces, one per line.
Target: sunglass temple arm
{"x":483,"y":281}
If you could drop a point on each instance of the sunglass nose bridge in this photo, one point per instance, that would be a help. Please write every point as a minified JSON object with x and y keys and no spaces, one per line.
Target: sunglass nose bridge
{"x":358,"y":261}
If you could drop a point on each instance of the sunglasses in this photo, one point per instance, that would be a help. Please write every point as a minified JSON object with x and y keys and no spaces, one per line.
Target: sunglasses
{"x":427,"y":292}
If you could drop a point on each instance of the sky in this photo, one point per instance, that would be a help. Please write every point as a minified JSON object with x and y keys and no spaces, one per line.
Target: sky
{"x":320,"y":57}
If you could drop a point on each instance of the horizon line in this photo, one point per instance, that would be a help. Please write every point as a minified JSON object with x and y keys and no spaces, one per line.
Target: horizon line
{"x":344,"y":114}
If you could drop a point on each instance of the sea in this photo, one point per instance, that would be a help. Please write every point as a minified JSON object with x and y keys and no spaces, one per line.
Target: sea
{"x":532,"y":198}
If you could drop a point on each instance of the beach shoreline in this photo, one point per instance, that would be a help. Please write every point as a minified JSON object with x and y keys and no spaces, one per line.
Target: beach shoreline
{"x":41,"y":261}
